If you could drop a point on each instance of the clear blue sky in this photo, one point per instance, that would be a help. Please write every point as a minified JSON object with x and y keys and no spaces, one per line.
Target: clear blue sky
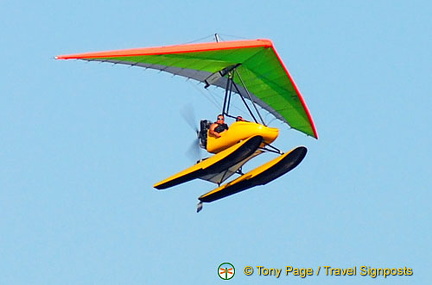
{"x":81,"y":145}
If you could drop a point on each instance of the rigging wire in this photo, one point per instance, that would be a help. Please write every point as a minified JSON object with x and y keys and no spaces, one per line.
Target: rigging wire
{"x":201,"y":39}
{"x":211,"y":99}
{"x":235,"y":37}
{"x":217,"y":37}
{"x":215,"y":98}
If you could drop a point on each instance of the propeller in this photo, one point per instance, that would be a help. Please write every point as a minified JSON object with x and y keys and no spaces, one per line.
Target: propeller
{"x":194,"y":150}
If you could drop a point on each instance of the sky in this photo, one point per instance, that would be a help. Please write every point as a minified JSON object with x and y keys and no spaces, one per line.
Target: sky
{"x":81,"y":145}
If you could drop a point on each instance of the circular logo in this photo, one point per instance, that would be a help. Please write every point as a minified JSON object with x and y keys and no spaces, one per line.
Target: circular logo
{"x":226,"y":271}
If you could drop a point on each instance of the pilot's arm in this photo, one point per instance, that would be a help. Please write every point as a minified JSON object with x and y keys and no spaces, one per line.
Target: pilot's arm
{"x":212,"y":130}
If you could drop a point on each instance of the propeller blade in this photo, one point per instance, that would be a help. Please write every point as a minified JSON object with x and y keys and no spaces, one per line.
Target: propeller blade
{"x":194,"y":150}
{"x":188,"y":115}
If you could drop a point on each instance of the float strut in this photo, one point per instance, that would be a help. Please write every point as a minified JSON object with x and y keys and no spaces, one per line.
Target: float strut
{"x":199,"y":207}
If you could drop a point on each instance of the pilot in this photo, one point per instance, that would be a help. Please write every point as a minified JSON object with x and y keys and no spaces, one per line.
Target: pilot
{"x":219,"y":126}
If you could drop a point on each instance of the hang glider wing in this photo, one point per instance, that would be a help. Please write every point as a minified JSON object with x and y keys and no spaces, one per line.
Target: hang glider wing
{"x":261,"y":71}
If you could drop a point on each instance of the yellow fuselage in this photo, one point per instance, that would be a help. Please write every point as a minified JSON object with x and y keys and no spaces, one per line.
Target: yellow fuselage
{"x":239,"y":131}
